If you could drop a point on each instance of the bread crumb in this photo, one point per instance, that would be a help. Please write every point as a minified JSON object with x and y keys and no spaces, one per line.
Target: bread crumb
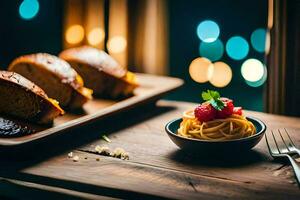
{"x":125,"y":156}
{"x":120,"y":153}
{"x":102,"y":150}
{"x":97,"y":159}
{"x":117,"y":153}
{"x":70,"y":155}
{"x":75,"y":158}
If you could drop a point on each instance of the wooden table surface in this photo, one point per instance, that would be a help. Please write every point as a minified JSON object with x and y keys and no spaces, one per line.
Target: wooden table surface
{"x":156,"y":167}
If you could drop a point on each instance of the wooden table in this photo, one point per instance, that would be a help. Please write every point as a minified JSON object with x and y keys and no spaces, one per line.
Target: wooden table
{"x":156,"y":168}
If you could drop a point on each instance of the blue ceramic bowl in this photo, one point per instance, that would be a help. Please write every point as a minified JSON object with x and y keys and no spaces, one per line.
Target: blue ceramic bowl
{"x":208,"y":146}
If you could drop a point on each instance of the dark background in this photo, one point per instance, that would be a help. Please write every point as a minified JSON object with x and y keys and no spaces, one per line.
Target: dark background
{"x":41,"y":34}
{"x":44,"y":34}
{"x":234,"y":18}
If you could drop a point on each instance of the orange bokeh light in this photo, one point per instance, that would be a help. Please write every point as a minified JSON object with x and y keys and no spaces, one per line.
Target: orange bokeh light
{"x":220,"y":74}
{"x":96,"y":36}
{"x":74,"y":34}
{"x":198,"y":69}
{"x":116,"y":44}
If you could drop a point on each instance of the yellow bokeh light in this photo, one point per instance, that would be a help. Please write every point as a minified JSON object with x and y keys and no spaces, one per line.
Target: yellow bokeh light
{"x":252,"y":70}
{"x":199,"y":69}
{"x":219,"y":74}
{"x":116,"y":44}
{"x":74,"y":34}
{"x":96,"y":36}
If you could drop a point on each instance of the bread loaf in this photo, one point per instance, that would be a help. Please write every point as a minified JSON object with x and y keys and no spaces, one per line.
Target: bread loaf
{"x":55,"y":76}
{"x":23,"y":99}
{"x":100,"y":72}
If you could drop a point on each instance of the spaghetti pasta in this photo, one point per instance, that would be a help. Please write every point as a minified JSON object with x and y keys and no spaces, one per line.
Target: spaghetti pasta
{"x":233,"y":127}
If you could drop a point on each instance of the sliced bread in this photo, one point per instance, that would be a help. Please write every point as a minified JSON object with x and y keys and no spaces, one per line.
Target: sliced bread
{"x":55,"y":76}
{"x":100,"y":72}
{"x":21,"y":98}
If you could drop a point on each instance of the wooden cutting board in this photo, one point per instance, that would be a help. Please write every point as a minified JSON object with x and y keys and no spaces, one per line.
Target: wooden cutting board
{"x":151,"y":88}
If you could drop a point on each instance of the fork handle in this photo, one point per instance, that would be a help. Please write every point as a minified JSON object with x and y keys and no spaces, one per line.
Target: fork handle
{"x":296,"y":168}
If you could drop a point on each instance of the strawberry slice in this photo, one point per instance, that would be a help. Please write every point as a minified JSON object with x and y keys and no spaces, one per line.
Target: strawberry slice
{"x":238,"y":110}
{"x":226,"y":100}
{"x":226,"y":111}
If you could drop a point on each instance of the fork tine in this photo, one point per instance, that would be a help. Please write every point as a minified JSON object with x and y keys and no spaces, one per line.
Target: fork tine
{"x":283,"y":140}
{"x":275,"y":142}
{"x":291,"y":141}
{"x":269,"y":140}
{"x":282,"y":154}
{"x":268,"y":143}
{"x":291,"y":144}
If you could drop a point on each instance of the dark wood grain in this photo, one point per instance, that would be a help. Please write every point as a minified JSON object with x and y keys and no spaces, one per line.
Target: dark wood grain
{"x":156,"y":168}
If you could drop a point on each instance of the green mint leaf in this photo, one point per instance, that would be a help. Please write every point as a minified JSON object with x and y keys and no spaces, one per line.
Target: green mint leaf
{"x":217,"y":104}
{"x":210,"y":94}
{"x":220,"y":104}
{"x":206,"y":96}
{"x":214,"y":104}
{"x":213,"y":97}
{"x":214,"y":94}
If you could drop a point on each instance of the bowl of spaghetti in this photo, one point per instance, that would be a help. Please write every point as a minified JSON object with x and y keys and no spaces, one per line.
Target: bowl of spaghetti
{"x":209,"y":128}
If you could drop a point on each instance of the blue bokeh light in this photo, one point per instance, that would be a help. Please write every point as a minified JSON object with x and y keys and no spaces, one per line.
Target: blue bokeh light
{"x":29,"y":9}
{"x":258,"y":39}
{"x":208,"y":31}
{"x":237,"y":48}
{"x":261,"y":81}
{"x":213,"y":50}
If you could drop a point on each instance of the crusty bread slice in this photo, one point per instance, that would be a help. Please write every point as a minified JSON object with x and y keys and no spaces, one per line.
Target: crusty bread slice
{"x":23,"y":99}
{"x":55,"y":76}
{"x":100,"y":72}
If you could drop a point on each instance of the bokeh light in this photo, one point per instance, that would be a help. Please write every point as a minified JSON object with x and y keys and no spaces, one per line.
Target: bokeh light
{"x":252,"y":70}
{"x":116,"y":44}
{"x":74,"y":34}
{"x":258,"y":40}
{"x":96,"y":36}
{"x":237,"y":47}
{"x":219,"y":74}
{"x":213,"y":50}
{"x":261,"y":81}
{"x":198,"y":69}
{"x":208,"y":31}
{"x":29,"y":9}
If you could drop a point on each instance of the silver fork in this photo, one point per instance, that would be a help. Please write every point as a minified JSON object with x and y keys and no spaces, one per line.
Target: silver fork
{"x":288,"y":141}
{"x":279,"y":149}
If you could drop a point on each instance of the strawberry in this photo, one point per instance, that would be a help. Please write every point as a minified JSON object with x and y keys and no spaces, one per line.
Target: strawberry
{"x":238,"y":110}
{"x":205,"y":112}
{"x":227,"y":110}
{"x":220,"y":107}
{"x":225,"y":100}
